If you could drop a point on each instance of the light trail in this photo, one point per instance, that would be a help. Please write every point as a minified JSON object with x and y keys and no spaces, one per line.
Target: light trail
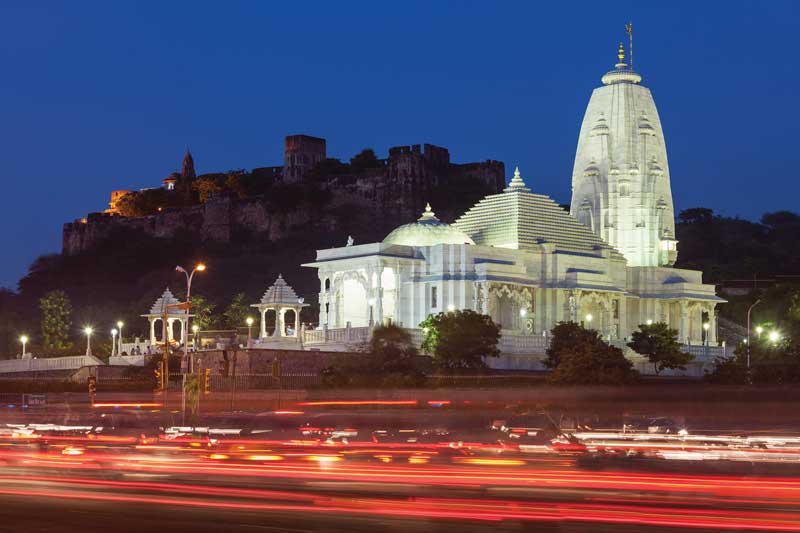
{"x":479,"y":510}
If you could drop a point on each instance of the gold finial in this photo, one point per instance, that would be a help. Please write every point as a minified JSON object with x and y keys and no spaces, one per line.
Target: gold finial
{"x":621,"y":53}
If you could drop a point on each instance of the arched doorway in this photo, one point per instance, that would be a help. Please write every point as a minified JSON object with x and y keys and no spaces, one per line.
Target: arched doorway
{"x":354,"y":303}
{"x":289,"y":318}
{"x":269,"y":322}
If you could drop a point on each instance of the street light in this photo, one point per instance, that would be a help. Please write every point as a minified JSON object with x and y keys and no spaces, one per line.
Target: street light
{"x":249,"y":330}
{"x":706,"y":327}
{"x":200,"y":267}
{"x":113,"y":340}
{"x":24,"y":340}
{"x":589,"y":318}
{"x":195,"y":329}
{"x":774,"y":336}
{"x":120,"y":323}
{"x":759,"y":329}
{"x":88,"y":332}
{"x":649,"y":322}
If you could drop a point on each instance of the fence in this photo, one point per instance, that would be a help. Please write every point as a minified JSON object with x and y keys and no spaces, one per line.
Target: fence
{"x":247,"y":382}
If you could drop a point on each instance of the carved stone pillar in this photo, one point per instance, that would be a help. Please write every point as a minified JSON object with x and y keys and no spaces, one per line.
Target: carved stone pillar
{"x":152,"y":331}
{"x":712,"y":329}
{"x":684,"y":329}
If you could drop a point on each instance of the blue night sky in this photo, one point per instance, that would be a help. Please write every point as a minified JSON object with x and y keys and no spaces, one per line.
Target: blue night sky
{"x":107,"y":95}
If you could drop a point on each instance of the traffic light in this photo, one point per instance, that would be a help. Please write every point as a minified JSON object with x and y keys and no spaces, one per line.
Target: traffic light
{"x":159,"y":376}
{"x":91,"y":382}
{"x":206,"y":380}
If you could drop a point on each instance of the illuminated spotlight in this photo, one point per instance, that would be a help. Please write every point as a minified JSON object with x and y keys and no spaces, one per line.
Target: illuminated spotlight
{"x":774,"y":336}
{"x":451,"y":308}
{"x":589,"y":317}
{"x":649,"y":321}
{"x":523,"y":312}
{"x":759,"y":330}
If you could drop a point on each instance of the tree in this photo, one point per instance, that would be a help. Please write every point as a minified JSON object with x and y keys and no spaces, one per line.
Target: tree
{"x":459,"y":340}
{"x":392,"y":351}
{"x":565,"y":335}
{"x":660,"y":344}
{"x":593,"y":363}
{"x":364,"y":160}
{"x":579,"y":356}
{"x":205,"y":187}
{"x":203,"y":312}
{"x":237,"y":311}
{"x":56,"y":320}
{"x":696,"y":215}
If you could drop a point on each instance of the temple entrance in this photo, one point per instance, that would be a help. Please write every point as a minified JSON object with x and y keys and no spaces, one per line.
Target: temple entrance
{"x":355,"y":308}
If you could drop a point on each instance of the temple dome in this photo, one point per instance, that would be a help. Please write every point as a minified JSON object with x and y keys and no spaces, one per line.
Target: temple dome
{"x":427,"y":231}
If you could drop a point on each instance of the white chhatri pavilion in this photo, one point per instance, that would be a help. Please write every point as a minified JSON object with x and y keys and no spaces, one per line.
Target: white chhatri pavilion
{"x":280,"y":298}
{"x":156,"y":314}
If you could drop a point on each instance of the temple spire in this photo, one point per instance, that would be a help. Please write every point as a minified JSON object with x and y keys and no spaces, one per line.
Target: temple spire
{"x":187,"y":169}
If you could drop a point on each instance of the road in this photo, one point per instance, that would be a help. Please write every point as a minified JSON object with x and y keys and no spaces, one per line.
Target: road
{"x":429,"y":469}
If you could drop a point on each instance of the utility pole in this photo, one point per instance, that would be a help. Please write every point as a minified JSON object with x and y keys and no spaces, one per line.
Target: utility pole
{"x":748,"y":337}
{"x":233,"y":381}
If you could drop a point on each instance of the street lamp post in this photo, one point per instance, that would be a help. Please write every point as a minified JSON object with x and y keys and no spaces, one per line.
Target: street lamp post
{"x":748,"y":336}
{"x":114,"y":342}
{"x":249,"y":331}
{"x":24,"y":340}
{"x":195,"y":329}
{"x":120,"y":323}
{"x":200,"y":267}
{"x":189,"y":276}
{"x":88,"y":332}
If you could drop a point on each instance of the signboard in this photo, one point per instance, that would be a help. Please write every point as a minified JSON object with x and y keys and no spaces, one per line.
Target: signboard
{"x":34,"y":399}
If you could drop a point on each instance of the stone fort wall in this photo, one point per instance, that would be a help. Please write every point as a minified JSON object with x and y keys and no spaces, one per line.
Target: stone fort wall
{"x":393,"y":193}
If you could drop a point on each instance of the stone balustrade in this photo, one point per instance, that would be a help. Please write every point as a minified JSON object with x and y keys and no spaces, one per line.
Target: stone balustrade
{"x":48,"y":364}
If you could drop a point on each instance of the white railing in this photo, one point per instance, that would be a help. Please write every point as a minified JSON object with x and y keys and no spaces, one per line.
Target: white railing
{"x":705,"y":353}
{"x":523,"y":344}
{"x":127,"y":360}
{"x":142,"y":346}
{"x":347,"y":334}
{"x":48,"y":364}
{"x":314,"y":336}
